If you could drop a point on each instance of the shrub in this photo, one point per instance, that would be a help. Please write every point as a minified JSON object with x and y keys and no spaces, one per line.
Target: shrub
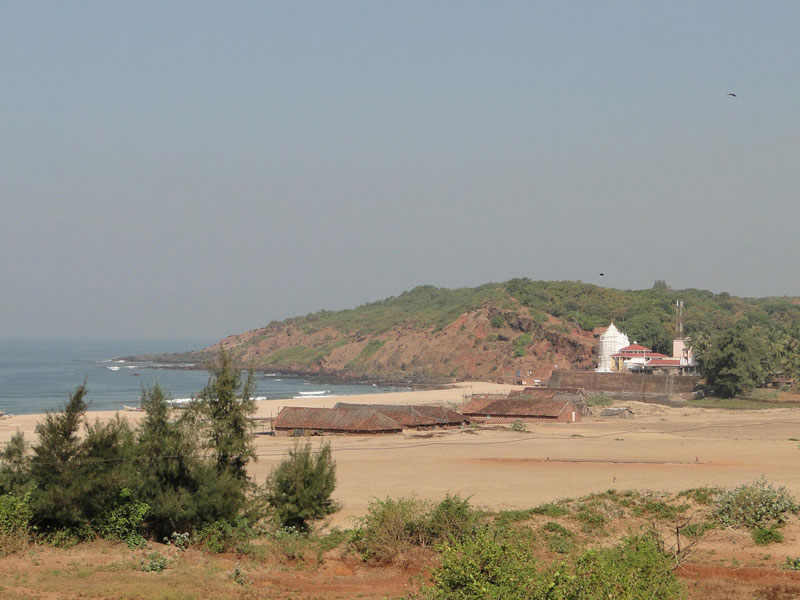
{"x":792,"y":563}
{"x":753,"y":505}
{"x":178,"y":540}
{"x":153,"y":562}
{"x":483,"y":568}
{"x":123,"y":520}
{"x":223,"y":536}
{"x":550,"y":509}
{"x":521,"y":344}
{"x":763,"y":536}
{"x":299,"y":490}
{"x":599,"y":400}
{"x":519,"y":426}
{"x":559,"y":538}
{"x":452,"y":519}
{"x":702,"y":495}
{"x":15,"y":517}
{"x":486,"y":568}
{"x":591,"y":520}
{"x":391,"y":528}
{"x":497,"y":321}
{"x":635,"y":568}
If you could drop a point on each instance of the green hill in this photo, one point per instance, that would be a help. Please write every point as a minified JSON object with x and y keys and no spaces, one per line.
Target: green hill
{"x":490,"y":331}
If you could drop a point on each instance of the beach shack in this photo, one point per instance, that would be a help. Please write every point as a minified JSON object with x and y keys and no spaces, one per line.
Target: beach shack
{"x":508,"y":410}
{"x":576,"y":395}
{"x":412,"y":416}
{"x":301,"y":421}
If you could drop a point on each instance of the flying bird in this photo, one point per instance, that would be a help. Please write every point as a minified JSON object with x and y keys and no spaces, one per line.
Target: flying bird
{"x":602,"y":274}
{"x":731,"y":94}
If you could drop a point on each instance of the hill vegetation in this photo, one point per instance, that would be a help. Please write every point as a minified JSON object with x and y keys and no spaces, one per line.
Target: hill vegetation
{"x":493,"y":330}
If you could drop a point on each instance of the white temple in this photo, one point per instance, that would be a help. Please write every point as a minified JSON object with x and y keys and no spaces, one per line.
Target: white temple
{"x":611,"y":341}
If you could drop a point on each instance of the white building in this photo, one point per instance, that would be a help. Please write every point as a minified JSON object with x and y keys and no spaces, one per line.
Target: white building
{"x":611,"y":341}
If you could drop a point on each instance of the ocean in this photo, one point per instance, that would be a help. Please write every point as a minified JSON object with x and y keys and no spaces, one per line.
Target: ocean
{"x":37,"y":375}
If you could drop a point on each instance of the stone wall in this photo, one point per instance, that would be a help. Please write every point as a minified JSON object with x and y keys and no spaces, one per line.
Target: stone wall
{"x":625,"y":383}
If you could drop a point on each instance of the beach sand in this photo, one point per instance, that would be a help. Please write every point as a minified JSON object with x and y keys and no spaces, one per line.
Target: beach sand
{"x":662,"y":449}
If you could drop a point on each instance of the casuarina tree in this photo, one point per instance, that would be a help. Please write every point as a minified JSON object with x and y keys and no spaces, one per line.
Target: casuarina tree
{"x":299,"y":489}
{"x":224,"y":409}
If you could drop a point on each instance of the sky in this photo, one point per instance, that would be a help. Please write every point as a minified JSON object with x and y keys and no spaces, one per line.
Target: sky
{"x":198,"y":169}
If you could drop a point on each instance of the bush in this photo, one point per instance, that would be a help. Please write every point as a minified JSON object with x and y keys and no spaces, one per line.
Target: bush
{"x":153,"y":562}
{"x":392,"y":527}
{"x":486,"y":568}
{"x":550,"y":509}
{"x":599,"y":400}
{"x":763,"y":536}
{"x":559,"y":538}
{"x":635,"y":568}
{"x":15,"y":518}
{"x":497,"y":321}
{"x":701,"y":495}
{"x":483,"y":567}
{"x":123,"y":520}
{"x":452,"y":519}
{"x":792,"y":563}
{"x":223,"y":536}
{"x":753,"y":505}
{"x":299,"y":489}
{"x":519,"y":426}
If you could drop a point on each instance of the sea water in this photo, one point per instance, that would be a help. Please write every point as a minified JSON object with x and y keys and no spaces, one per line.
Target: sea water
{"x":37,"y":375}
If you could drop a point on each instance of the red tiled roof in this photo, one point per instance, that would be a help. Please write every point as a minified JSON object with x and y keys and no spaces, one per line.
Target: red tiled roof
{"x":477,"y":403}
{"x":523,"y":408}
{"x":329,"y":419}
{"x":540,"y":393}
{"x":410,"y":415}
{"x":664,"y":362}
{"x":635,"y":347}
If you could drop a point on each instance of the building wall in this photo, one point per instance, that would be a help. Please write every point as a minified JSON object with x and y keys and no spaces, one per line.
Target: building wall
{"x":634,"y":383}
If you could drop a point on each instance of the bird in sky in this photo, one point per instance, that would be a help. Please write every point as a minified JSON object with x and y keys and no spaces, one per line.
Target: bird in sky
{"x":731,"y":94}
{"x":602,"y":274}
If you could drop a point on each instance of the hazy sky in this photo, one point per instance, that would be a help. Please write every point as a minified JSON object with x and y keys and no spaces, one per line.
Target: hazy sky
{"x":193,"y":169}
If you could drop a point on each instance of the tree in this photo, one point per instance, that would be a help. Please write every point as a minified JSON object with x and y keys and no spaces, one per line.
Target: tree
{"x":225,"y":406}
{"x":168,"y":466}
{"x":299,"y":489}
{"x":75,"y":480}
{"x":15,"y":471}
{"x":733,"y":361}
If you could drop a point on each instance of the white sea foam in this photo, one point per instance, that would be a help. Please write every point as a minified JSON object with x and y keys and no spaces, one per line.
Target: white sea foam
{"x":113,"y":368}
{"x":315,"y":393}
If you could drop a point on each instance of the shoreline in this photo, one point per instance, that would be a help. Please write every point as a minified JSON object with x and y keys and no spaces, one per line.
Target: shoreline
{"x":448,"y":394}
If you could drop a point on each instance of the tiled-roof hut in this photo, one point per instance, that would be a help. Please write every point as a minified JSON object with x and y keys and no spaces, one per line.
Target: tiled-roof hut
{"x":412,"y":416}
{"x":294,"y":420}
{"x":576,"y":395}
{"x":514,"y":409}
{"x":479,"y":401}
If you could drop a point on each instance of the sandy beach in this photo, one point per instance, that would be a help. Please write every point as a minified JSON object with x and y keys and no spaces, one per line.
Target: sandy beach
{"x":663,"y":448}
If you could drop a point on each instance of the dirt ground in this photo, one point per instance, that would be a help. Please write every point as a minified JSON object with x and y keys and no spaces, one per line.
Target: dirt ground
{"x":663,"y":448}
